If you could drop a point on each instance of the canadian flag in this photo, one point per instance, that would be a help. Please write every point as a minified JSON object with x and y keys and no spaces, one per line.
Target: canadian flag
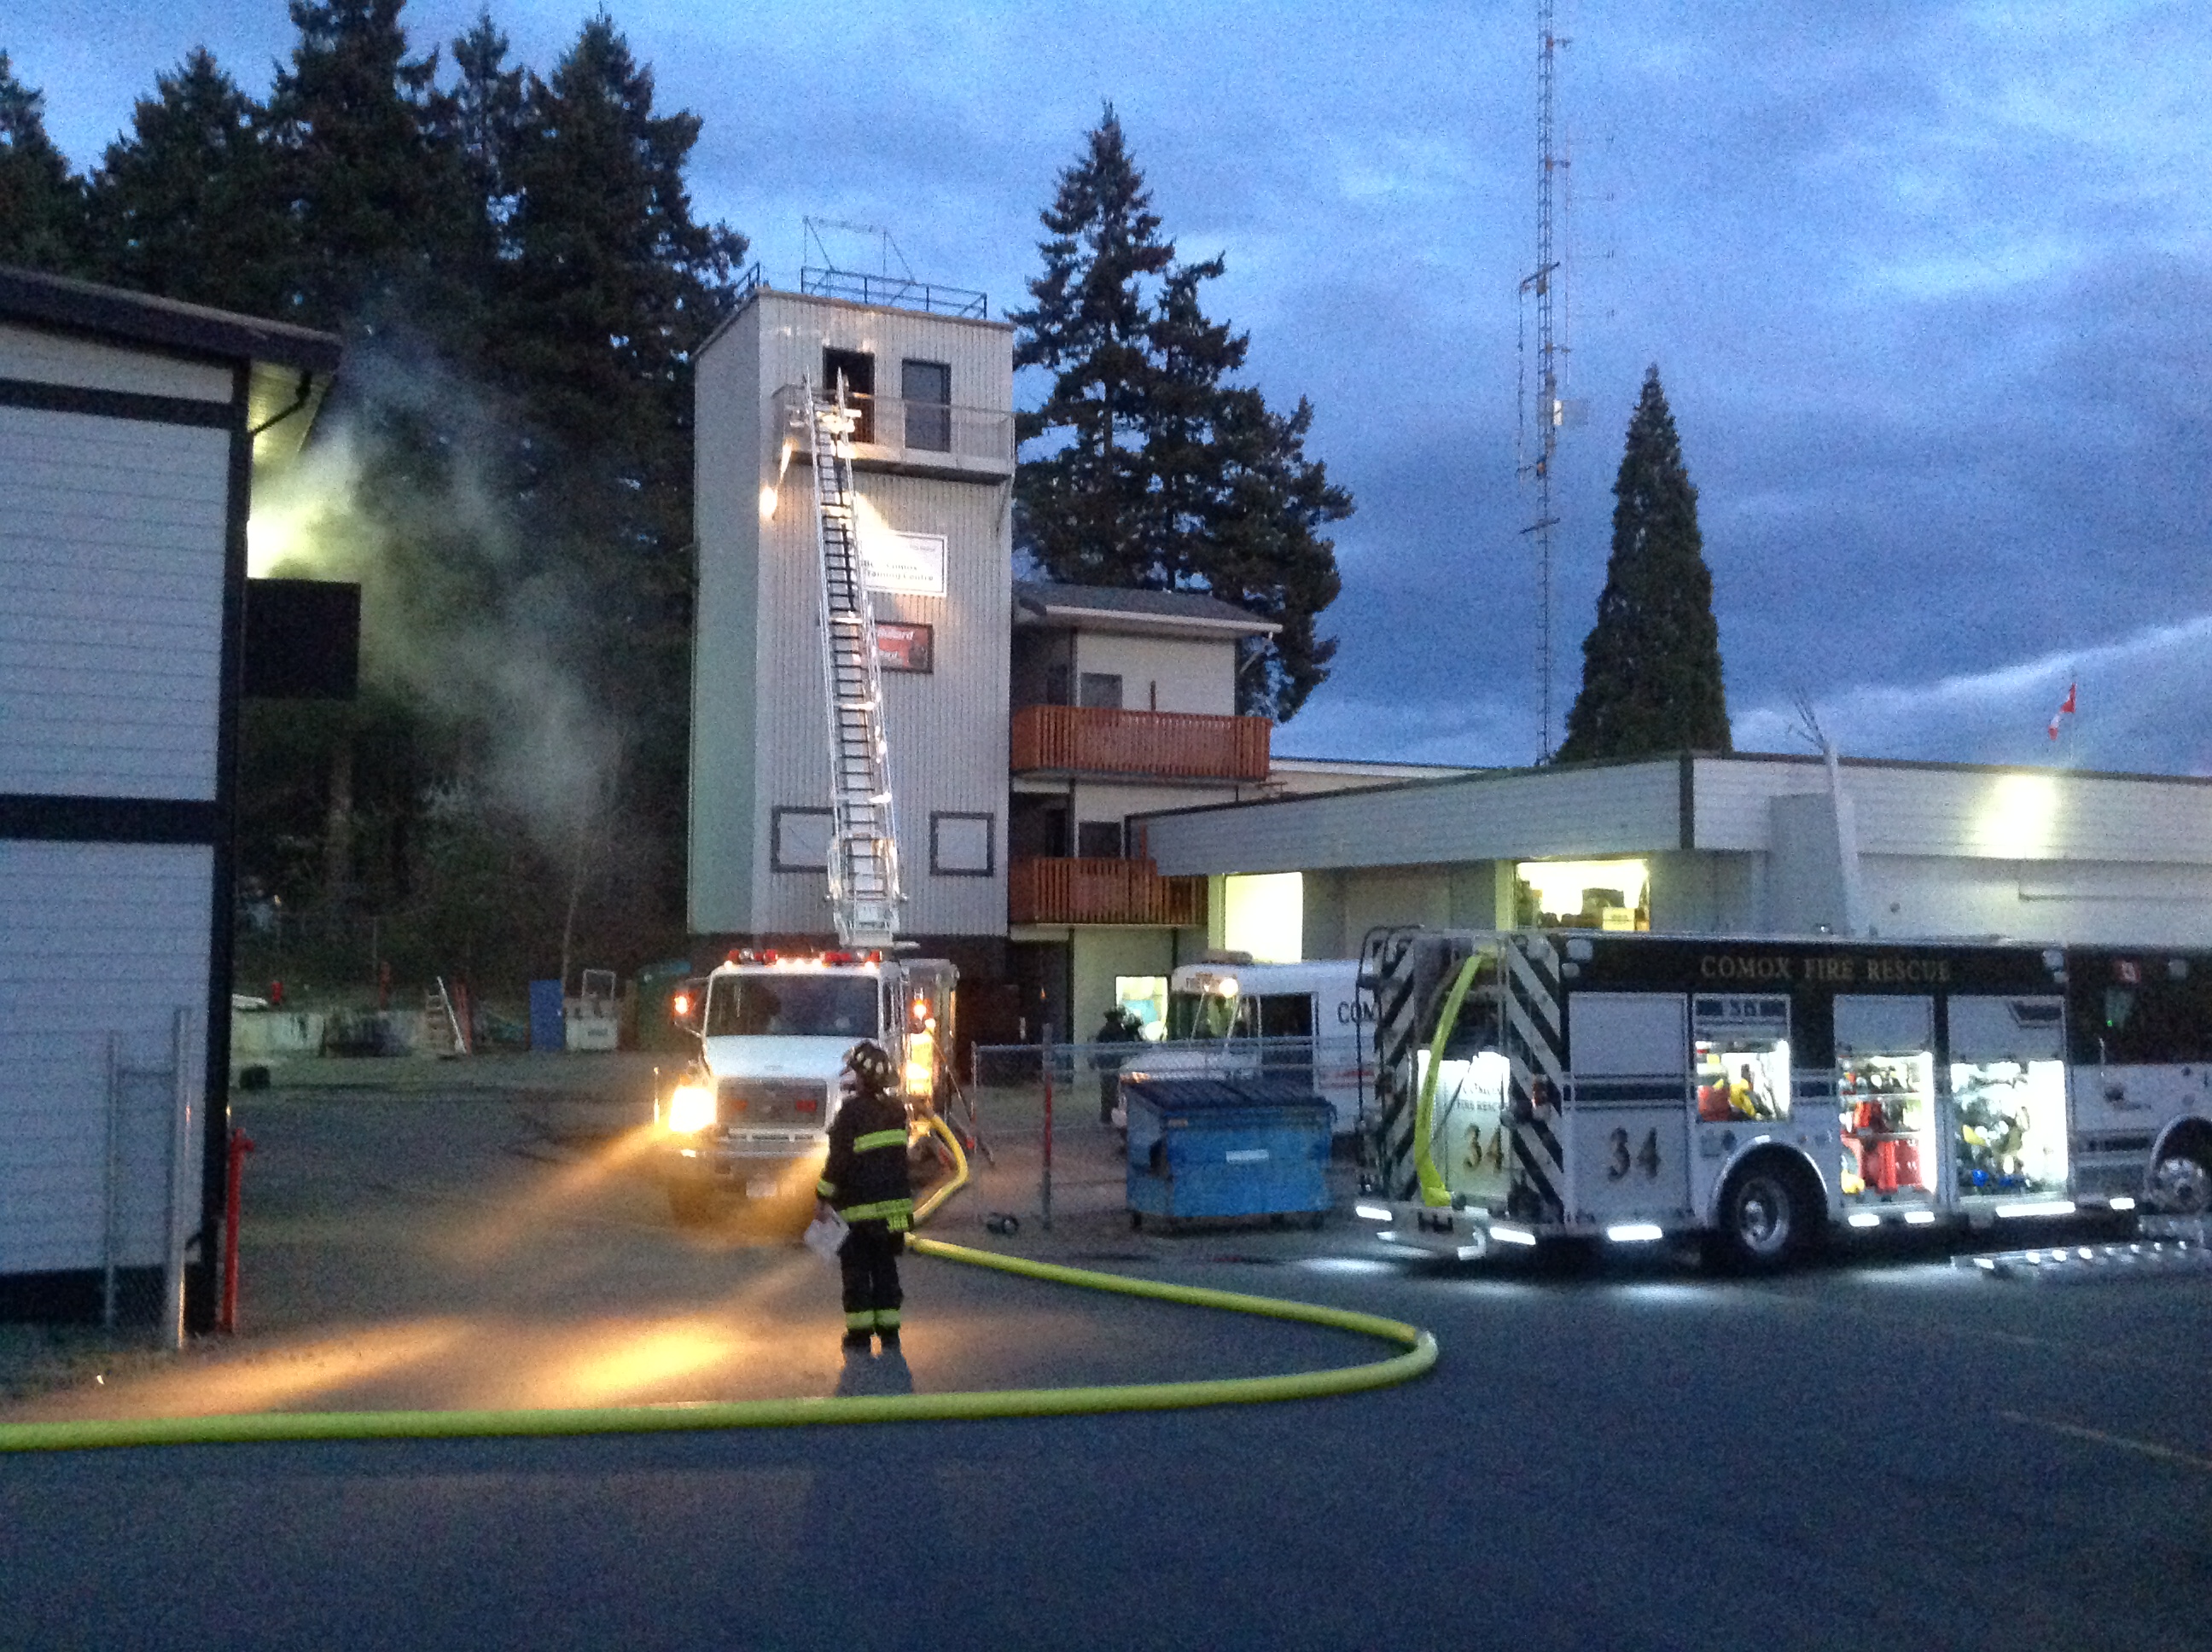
{"x":2065,"y":709}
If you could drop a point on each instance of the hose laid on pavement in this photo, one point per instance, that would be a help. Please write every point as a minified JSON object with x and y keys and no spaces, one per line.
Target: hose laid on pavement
{"x":259,"y":1427}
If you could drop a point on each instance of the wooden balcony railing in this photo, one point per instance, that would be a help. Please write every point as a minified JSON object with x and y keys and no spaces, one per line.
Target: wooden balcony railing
{"x":1178,"y":745}
{"x":1073,"y":891}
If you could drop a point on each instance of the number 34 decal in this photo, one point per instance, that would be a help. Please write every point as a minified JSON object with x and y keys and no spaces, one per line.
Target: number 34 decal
{"x":1645,"y":1157}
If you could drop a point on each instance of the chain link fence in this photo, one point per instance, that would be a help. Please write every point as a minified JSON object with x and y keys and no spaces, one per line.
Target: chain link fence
{"x":1048,"y":1110}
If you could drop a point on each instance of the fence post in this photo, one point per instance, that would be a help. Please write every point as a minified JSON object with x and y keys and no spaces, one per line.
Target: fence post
{"x":114,"y":1155}
{"x":1045,"y":1192}
{"x":180,"y":1137}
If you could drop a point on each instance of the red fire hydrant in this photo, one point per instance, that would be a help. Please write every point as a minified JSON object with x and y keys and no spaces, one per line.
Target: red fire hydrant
{"x":240,"y":1146}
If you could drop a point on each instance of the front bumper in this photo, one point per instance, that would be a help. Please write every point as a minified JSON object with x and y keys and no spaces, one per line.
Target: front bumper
{"x":763,"y":1164}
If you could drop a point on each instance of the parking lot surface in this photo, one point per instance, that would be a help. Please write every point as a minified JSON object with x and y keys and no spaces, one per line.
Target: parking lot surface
{"x":1882,"y":1448}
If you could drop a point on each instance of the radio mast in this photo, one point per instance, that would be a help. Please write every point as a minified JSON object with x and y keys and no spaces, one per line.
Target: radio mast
{"x":1535,"y":457}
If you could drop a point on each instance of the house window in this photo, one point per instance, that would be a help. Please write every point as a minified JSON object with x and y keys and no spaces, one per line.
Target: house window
{"x":926,"y":389}
{"x":960,"y":845}
{"x":1102,"y":690}
{"x":798,"y":839}
{"x":1098,"y":839}
{"x":859,"y":370}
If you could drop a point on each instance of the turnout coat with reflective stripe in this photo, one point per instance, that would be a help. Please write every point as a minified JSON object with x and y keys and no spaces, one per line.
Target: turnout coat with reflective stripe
{"x":866,"y":1177}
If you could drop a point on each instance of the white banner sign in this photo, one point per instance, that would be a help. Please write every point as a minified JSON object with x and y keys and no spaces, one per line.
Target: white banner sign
{"x":904,"y":564}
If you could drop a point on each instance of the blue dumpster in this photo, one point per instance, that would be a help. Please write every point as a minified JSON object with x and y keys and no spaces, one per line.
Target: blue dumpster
{"x":1252,"y":1146}
{"x":548,"y":1019}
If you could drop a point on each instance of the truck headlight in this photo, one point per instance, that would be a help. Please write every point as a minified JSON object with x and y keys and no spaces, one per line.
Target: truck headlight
{"x":690,"y":1109}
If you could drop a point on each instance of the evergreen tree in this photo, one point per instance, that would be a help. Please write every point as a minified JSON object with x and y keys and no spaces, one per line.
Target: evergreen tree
{"x":1652,"y":664}
{"x":41,"y":201}
{"x":1083,"y":512}
{"x":1168,"y":476}
{"x":610,"y":287}
{"x":378,"y":205}
{"x":185,"y":205}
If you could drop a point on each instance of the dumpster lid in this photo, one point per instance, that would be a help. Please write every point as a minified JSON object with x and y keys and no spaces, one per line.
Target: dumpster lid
{"x":1191,"y":1094}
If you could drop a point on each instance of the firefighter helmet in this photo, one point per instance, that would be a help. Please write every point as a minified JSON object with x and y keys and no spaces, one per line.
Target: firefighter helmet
{"x":870,"y":1065}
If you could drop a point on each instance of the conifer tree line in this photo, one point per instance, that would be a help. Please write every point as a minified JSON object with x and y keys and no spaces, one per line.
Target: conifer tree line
{"x":1152,"y":467}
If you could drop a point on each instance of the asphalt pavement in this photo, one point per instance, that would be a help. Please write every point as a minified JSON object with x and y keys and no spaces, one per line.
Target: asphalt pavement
{"x":1877,"y":1450}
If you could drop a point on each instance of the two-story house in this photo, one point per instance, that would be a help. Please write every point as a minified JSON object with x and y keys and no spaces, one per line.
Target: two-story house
{"x":1122,"y":703}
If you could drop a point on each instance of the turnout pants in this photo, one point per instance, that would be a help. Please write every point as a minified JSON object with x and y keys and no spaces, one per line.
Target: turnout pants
{"x":869,"y":1261}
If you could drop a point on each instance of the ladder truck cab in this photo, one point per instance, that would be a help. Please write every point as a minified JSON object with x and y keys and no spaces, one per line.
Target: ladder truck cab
{"x":750,"y":1119}
{"x":1761,"y":1093}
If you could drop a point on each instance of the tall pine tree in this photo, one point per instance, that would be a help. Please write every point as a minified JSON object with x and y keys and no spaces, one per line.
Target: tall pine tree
{"x":42,"y":219}
{"x":1167,"y":475}
{"x":1652,"y":664}
{"x":1083,"y":512}
{"x":185,"y":204}
{"x":378,"y":206}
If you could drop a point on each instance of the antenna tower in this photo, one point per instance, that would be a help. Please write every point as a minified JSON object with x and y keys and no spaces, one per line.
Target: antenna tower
{"x":1551,"y":411}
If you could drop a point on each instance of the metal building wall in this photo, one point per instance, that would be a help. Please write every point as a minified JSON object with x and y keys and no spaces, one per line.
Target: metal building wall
{"x":763,"y":747}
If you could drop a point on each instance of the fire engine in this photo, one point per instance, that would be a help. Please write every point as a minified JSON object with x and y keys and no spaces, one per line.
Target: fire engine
{"x":1546,"y":1084}
{"x":750,"y":1119}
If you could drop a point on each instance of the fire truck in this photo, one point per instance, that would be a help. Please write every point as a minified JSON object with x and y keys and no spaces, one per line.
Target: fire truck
{"x":1759,"y":1094}
{"x":751,"y":1119}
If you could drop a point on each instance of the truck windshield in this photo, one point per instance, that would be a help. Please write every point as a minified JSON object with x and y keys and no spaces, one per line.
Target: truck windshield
{"x":792,"y":1006}
{"x":1206,"y":1015}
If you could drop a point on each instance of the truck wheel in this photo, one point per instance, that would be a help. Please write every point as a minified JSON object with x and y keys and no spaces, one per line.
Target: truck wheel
{"x":2181,"y":1182}
{"x":1765,"y":1218}
{"x":691,"y":1203}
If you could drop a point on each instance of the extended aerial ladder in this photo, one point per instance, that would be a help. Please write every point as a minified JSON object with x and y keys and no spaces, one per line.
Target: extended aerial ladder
{"x":863,"y":859}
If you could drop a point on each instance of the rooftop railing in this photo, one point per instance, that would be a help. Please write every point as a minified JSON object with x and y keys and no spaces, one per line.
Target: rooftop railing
{"x":921,"y":434}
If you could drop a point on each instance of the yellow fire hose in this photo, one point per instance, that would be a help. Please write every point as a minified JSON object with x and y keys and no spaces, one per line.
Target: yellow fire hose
{"x":927,"y":1208}
{"x":1420,"y":1354}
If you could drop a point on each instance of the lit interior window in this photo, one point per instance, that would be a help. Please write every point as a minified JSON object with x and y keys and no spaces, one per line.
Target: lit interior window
{"x":1585,"y":893}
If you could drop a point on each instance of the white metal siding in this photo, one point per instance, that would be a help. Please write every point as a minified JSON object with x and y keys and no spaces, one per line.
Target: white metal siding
{"x":725,"y":493}
{"x":55,"y":358}
{"x":1630,"y":809}
{"x":112,"y":542}
{"x":763,"y":747}
{"x":93,"y":938}
{"x":2000,"y":814}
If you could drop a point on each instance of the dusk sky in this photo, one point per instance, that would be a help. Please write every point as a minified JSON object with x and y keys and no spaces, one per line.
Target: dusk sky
{"x":1930,"y":286}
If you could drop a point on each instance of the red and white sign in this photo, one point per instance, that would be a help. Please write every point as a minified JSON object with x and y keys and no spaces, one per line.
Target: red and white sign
{"x":903,"y":647}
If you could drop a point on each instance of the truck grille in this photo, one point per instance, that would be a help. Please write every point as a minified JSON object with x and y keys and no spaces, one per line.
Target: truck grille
{"x":786,"y":1102}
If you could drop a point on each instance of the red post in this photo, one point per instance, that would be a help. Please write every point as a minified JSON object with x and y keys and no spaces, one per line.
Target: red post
{"x":1045,"y":1192}
{"x":240,"y":1146}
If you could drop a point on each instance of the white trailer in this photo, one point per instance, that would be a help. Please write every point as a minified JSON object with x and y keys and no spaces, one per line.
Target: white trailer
{"x":1541,"y":1084}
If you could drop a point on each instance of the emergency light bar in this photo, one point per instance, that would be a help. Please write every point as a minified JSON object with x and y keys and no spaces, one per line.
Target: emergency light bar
{"x":770,"y":955}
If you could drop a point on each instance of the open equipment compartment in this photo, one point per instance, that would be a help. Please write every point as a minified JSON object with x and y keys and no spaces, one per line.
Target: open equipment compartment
{"x":1885,"y":1098}
{"x":2008,"y":1096}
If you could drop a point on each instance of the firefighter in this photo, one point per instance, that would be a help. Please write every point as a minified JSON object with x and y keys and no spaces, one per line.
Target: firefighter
{"x":866,"y":1181}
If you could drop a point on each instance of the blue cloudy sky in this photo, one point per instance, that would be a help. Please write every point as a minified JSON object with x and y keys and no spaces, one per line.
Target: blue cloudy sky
{"x":1930,"y":284}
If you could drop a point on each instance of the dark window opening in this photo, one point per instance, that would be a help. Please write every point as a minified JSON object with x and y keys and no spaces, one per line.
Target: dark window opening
{"x":1098,"y":839}
{"x":1100,"y":690}
{"x":1056,"y":685}
{"x":858,"y":369}
{"x":926,"y":389}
